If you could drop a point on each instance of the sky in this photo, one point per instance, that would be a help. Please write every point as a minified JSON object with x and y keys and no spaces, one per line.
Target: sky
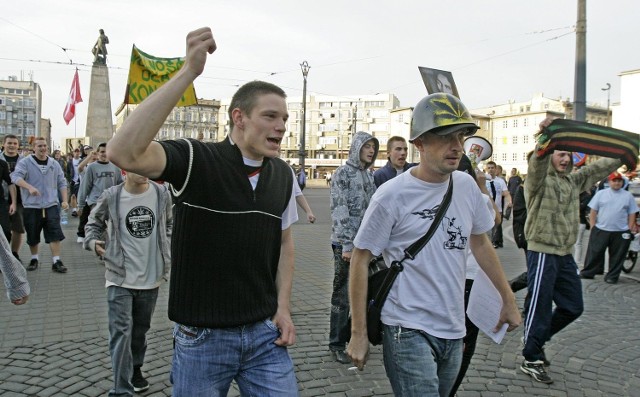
{"x":497,"y":50}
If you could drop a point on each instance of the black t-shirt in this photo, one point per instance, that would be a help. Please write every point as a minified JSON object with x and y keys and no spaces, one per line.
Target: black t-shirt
{"x":11,"y":162}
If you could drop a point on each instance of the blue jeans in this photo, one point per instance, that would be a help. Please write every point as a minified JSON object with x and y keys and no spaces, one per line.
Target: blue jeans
{"x":206,"y":360}
{"x":130,"y":313}
{"x":419,"y":364}
{"x":339,"y":332}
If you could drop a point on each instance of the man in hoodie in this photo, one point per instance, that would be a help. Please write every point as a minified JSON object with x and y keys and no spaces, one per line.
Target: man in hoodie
{"x":137,"y":259}
{"x":551,"y":193}
{"x":352,"y":187}
{"x":397,"y":164}
{"x":41,"y":179}
{"x":98,"y":177}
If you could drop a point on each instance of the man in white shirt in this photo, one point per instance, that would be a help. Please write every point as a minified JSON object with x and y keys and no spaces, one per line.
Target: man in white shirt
{"x":497,"y":188}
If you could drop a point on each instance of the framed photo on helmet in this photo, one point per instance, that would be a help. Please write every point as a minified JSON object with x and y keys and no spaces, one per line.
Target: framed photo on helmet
{"x":438,"y":81}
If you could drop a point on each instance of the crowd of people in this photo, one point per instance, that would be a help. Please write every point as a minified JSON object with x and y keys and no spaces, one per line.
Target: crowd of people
{"x":237,"y":198}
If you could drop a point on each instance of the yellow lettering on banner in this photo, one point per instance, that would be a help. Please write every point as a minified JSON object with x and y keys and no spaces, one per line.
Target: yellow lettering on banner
{"x":148,"y":73}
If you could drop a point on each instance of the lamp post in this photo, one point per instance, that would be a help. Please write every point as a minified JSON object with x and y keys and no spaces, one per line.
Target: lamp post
{"x":608,"y":89}
{"x":305,"y":71}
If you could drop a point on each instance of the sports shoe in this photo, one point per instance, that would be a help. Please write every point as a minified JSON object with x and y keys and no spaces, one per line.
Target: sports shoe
{"x":59,"y":267}
{"x":74,"y":212}
{"x":536,"y":370}
{"x":80,"y":240}
{"x":545,"y":362}
{"x":139,"y":382}
{"x":33,"y":265}
{"x":342,"y":357}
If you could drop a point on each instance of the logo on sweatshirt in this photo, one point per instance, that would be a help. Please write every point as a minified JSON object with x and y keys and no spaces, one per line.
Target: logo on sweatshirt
{"x":140,"y":221}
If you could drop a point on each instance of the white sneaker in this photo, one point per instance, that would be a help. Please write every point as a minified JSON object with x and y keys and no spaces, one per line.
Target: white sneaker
{"x":80,"y":240}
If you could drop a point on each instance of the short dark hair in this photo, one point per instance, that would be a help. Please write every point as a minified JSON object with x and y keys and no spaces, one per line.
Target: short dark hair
{"x":102,"y":144}
{"x":246,"y":96}
{"x":9,"y":136}
{"x":493,"y":163}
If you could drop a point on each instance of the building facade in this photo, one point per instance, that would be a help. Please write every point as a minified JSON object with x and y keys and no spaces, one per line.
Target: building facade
{"x":197,"y":121}
{"x":20,"y":108}
{"x":626,"y":114}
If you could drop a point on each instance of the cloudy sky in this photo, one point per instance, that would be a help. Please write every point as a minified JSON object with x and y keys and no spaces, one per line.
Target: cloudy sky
{"x":497,"y":49}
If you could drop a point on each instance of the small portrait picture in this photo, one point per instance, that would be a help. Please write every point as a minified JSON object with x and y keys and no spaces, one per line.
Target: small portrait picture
{"x":438,"y":81}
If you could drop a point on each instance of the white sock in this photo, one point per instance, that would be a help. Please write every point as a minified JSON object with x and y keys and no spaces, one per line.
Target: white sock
{"x":55,"y":259}
{"x":34,"y":256}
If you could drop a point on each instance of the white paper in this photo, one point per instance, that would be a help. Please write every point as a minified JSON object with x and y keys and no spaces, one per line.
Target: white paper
{"x":484,"y":307}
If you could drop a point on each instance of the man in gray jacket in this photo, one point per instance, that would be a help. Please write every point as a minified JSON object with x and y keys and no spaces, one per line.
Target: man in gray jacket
{"x":137,"y":259}
{"x":98,"y":177}
{"x":40,"y":179}
{"x":352,"y":186}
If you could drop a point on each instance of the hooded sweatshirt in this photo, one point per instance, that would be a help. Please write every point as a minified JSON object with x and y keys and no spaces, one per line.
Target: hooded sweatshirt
{"x":49,"y":180}
{"x":552,"y":201}
{"x":352,"y":187}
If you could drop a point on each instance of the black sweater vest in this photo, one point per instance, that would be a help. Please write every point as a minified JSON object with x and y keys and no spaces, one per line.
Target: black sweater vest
{"x":226,"y":239}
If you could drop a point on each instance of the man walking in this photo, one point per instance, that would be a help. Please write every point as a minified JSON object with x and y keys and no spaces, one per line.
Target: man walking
{"x":397,"y":164}
{"x":137,"y":258}
{"x":423,"y":317}
{"x":41,"y":179}
{"x":12,"y":156}
{"x":98,"y":177}
{"x":500,"y":194}
{"x":232,"y":268}
{"x":613,"y":223}
{"x":351,"y":189}
{"x":551,"y":193}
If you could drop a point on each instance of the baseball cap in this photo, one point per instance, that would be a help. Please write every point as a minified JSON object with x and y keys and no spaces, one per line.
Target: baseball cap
{"x":615,"y":175}
{"x":87,"y":147}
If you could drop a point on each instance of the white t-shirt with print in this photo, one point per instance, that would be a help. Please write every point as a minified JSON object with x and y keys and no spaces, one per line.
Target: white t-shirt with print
{"x":429,"y":294}
{"x":472,"y":263}
{"x":500,"y":186}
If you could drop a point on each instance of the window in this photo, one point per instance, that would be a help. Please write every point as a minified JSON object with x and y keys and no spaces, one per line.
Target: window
{"x":525,"y":139}
{"x":525,"y":122}
{"x":31,"y":117}
{"x":400,"y":118}
{"x":515,"y":157}
{"x":505,"y":124}
{"x":515,"y":140}
{"x":176,"y":116}
{"x":504,"y":157}
{"x":524,"y":156}
{"x":372,"y":104}
{"x":325,"y":105}
{"x":1,"y":101}
{"x":1,"y":129}
{"x":187,"y":116}
{"x":515,"y":123}
{"x":3,"y":115}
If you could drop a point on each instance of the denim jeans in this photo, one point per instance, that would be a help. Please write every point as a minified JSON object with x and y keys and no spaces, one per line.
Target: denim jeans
{"x":206,"y":360}
{"x":339,"y":332}
{"x":419,"y":364}
{"x":130,"y":313}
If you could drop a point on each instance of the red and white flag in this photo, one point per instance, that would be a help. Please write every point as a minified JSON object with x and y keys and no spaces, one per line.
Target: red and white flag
{"x":74,"y":97}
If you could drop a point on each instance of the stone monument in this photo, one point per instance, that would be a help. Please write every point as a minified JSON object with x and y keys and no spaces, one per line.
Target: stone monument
{"x":99,"y":117}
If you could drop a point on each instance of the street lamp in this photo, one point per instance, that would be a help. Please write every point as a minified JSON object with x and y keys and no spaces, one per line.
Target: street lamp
{"x":305,"y":71}
{"x":608,"y":89}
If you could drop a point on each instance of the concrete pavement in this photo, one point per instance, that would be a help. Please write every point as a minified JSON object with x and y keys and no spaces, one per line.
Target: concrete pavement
{"x":57,"y":344}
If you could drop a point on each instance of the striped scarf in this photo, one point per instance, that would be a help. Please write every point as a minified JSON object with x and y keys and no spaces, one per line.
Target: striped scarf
{"x":577,"y":136}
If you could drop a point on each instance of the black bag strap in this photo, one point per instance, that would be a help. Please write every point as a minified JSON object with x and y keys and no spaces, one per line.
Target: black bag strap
{"x":414,"y":248}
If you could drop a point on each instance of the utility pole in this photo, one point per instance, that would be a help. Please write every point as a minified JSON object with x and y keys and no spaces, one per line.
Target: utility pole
{"x":608,"y":89}
{"x":580,"y":84}
{"x":305,"y":71}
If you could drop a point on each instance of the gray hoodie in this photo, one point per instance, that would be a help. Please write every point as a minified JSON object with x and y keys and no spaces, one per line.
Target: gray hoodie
{"x":49,"y":180}
{"x":107,"y":208}
{"x":352,"y":187}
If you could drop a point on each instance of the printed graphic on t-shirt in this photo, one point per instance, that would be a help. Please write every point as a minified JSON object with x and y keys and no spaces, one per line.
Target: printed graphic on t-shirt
{"x":456,"y":239}
{"x":140,"y":221}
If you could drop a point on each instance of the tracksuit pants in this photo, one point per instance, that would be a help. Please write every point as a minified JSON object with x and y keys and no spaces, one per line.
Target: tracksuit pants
{"x":550,"y":279}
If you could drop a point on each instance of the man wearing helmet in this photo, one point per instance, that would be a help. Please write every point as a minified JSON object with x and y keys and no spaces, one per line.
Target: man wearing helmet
{"x":423,"y":317}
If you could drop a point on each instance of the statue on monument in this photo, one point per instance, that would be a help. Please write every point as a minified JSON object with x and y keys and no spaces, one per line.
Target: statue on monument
{"x":99,"y":49}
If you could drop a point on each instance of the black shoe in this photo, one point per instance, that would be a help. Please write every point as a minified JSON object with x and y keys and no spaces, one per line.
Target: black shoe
{"x":140,"y":384}
{"x":584,"y":276}
{"x":342,"y":357}
{"x":609,"y":281}
{"x":495,"y":245}
{"x":15,"y":254}
{"x":536,"y":370}
{"x":59,"y":267}
{"x":33,"y":265}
